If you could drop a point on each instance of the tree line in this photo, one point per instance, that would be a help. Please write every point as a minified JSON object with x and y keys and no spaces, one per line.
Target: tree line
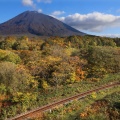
{"x":28,"y":65}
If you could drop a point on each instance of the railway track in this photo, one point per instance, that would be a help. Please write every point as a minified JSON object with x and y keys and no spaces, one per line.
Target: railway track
{"x":32,"y":113}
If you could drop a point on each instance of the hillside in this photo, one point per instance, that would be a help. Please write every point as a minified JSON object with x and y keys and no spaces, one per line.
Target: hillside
{"x":32,"y":22}
{"x":36,"y":72}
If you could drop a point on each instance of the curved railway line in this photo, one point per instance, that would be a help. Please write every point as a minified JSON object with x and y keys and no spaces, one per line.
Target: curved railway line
{"x":28,"y":114}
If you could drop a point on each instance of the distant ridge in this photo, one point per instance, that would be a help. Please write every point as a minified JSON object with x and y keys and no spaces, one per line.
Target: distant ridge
{"x":32,"y":22}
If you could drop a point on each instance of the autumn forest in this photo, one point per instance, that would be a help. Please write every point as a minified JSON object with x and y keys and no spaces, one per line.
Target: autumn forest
{"x":35,"y":71}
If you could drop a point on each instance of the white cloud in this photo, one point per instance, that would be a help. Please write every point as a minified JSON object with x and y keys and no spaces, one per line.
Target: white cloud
{"x":40,"y":10}
{"x":94,"y":22}
{"x":57,"y":13}
{"x":32,"y":4}
{"x":45,"y":1}
{"x":112,"y":35}
{"x":28,"y":3}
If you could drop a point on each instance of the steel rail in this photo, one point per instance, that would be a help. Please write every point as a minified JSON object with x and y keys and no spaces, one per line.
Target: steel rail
{"x":63,"y":101}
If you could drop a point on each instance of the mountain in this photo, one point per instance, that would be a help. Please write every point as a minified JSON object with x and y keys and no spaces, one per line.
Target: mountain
{"x":32,"y":22}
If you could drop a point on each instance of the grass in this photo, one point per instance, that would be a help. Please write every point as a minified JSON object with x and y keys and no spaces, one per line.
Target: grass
{"x":72,"y":110}
{"x":57,"y":93}
{"x":108,"y":107}
{"x":61,"y":92}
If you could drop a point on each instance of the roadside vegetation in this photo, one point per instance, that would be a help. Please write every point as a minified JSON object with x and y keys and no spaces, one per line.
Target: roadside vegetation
{"x":103,"y":105}
{"x":35,"y":71}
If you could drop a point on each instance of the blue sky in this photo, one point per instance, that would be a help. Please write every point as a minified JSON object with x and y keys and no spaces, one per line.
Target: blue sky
{"x":99,"y":17}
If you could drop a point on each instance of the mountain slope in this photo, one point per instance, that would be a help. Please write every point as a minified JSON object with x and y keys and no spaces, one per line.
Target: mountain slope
{"x":32,"y":22}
